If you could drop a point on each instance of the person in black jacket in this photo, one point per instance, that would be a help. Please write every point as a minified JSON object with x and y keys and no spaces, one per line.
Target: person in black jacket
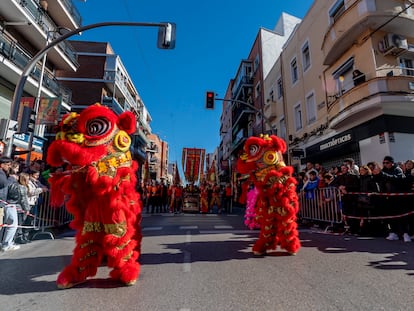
{"x":366,"y":200}
{"x":347,"y":182}
{"x":393,"y":182}
{"x":358,"y":77}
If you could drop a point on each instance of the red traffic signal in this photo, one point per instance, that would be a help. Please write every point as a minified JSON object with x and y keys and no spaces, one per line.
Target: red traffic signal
{"x":210,"y":100}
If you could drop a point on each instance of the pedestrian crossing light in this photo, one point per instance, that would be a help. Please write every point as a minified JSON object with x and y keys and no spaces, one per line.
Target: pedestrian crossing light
{"x":210,"y":100}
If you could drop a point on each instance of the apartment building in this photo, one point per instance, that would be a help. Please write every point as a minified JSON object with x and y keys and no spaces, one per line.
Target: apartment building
{"x":102,"y":78}
{"x":157,"y":159}
{"x":26,"y":27}
{"x":343,"y":85}
{"x":243,"y":109}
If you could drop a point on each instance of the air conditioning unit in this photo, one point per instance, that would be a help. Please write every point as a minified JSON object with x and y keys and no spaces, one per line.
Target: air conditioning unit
{"x":394,"y":41}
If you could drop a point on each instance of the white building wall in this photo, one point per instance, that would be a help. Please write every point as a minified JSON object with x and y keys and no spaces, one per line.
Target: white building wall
{"x":273,"y":41}
{"x":375,"y":148}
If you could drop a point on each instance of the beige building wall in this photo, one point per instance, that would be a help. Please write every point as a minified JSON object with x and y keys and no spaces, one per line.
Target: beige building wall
{"x":338,"y":118}
{"x":157,"y":156}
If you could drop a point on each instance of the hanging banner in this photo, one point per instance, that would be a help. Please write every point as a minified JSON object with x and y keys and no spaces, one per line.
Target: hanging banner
{"x":177,"y":178}
{"x":212,"y":176}
{"x":203,"y":153}
{"x":49,"y":110}
{"x":145,"y":172}
{"x":193,"y":163}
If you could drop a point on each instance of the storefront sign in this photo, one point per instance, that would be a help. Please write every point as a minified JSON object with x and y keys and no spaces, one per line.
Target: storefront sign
{"x":336,"y":141}
{"x":24,"y":140}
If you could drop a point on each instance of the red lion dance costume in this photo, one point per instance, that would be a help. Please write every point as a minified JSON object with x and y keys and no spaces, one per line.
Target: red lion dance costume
{"x":100,"y":193}
{"x":277,"y":201}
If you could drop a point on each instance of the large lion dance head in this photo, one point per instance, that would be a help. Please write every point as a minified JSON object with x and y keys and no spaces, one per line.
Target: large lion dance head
{"x":261,"y":155}
{"x":88,"y":137}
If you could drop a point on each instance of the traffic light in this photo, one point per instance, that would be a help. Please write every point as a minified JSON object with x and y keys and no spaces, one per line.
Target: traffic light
{"x":27,"y":123}
{"x":166,"y":36}
{"x":210,"y":100}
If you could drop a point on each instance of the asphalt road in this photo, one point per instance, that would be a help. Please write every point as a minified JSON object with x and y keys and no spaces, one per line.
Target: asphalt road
{"x":204,"y":262}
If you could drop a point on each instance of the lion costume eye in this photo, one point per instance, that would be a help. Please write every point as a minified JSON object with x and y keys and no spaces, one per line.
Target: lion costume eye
{"x":253,"y":149}
{"x":270,"y":157}
{"x":98,"y":127}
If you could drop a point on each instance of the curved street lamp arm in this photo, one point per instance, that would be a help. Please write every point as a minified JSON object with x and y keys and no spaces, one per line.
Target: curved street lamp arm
{"x":14,"y":108}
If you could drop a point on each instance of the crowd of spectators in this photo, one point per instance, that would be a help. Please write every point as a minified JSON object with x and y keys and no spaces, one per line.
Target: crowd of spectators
{"x":20,"y":187}
{"x":364,"y":191}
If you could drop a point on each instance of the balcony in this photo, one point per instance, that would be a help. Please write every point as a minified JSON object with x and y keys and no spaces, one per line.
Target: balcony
{"x":243,"y":82}
{"x":360,"y":16}
{"x":392,"y":94}
{"x":65,"y":13}
{"x":113,"y":104}
{"x":240,"y":115}
{"x":16,"y":58}
{"x":270,"y":110}
{"x":63,"y":55}
{"x":113,"y":79}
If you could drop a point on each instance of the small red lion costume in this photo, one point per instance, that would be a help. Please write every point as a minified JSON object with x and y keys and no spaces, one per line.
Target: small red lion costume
{"x":100,"y":193}
{"x":277,"y":201}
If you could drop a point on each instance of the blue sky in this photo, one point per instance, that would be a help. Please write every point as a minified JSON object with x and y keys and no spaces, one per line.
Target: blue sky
{"x":212,"y":38}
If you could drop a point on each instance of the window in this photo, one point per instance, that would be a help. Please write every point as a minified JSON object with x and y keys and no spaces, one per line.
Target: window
{"x":282,"y":125}
{"x":279,"y":88}
{"x":311,"y":108}
{"x":337,"y":10}
{"x":407,"y":66}
{"x":271,"y":96}
{"x":256,"y":63}
{"x":343,"y":76}
{"x":257,"y":90}
{"x":294,"y":70}
{"x":298,"y":117}
{"x":306,"y":61}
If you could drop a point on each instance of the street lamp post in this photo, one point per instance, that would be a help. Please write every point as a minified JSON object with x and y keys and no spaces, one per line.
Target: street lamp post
{"x":272,"y":131}
{"x":166,"y":40}
{"x":39,"y":93}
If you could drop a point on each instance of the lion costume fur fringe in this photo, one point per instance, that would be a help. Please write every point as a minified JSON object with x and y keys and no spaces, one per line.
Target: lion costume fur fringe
{"x":98,"y":189}
{"x":277,"y":202}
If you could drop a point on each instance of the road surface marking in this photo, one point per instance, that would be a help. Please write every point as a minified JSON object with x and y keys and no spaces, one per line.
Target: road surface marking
{"x":151,"y":228}
{"x":223,"y":227}
{"x":187,"y":254}
{"x":188,"y":227}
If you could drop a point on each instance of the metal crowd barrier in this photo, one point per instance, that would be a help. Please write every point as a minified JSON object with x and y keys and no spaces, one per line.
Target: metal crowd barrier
{"x":379,"y":206}
{"x":327,"y":205}
{"x":323,"y":205}
{"x":47,"y":217}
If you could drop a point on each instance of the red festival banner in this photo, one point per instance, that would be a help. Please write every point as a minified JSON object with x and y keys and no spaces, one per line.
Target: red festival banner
{"x":212,"y":176}
{"x":193,"y":163}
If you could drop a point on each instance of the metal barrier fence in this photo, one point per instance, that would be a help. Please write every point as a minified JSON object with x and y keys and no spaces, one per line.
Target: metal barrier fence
{"x":379,"y":206}
{"x":47,"y":217}
{"x":329,"y":206}
{"x":323,"y":205}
